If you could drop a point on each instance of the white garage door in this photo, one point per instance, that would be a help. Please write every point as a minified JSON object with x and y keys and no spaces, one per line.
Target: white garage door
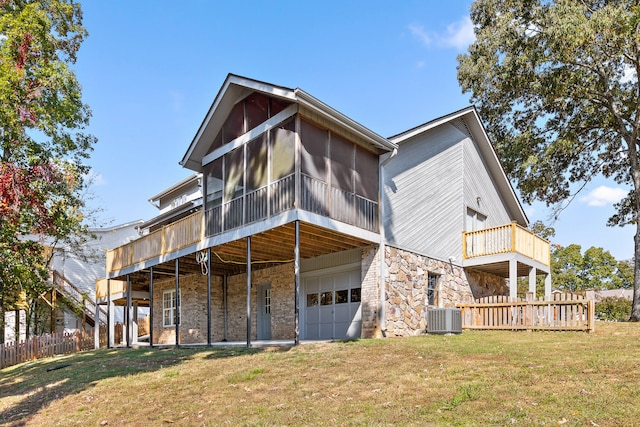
{"x":331,"y":306}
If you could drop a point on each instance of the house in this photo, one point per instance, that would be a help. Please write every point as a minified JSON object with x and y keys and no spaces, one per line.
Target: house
{"x":74,"y":269}
{"x":313,"y":226}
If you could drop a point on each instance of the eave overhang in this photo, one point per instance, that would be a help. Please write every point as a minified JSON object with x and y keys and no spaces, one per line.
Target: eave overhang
{"x":236,"y":88}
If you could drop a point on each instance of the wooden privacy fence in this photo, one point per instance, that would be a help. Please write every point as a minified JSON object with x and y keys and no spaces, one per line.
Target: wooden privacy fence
{"x":45,"y":346}
{"x":561,"y":312}
{"x":49,"y":345}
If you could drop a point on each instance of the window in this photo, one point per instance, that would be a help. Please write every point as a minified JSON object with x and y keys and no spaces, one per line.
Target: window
{"x":169,"y":308}
{"x":312,"y":300}
{"x":342,"y":296}
{"x":475,"y":220}
{"x":355,"y":295}
{"x":432,"y":288}
{"x":326,"y":298}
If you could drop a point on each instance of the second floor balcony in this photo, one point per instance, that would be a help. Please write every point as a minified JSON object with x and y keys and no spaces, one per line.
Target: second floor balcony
{"x":490,"y":250}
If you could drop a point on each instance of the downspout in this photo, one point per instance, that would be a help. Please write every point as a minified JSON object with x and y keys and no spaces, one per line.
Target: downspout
{"x":382,"y":315}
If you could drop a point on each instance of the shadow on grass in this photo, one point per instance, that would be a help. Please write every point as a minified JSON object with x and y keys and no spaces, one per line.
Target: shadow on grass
{"x":36,"y":384}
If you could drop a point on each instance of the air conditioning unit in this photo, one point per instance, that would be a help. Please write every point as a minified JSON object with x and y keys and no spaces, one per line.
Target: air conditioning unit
{"x":444,"y":320}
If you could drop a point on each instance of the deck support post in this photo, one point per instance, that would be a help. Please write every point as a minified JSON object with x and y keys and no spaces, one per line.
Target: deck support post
{"x":547,"y":286}
{"x":532,"y":280}
{"x":513,"y":279}
{"x":128,"y":311}
{"x":134,"y":323}
{"x":248,"y":291}
{"x":224,"y":308}
{"x":296,"y":272}
{"x":176,"y":319}
{"x":151,"y":306}
{"x":96,"y":328}
{"x":110,"y":329}
{"x":208,"y":296}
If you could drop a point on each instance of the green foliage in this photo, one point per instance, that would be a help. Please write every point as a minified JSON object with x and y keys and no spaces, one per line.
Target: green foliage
{"x":542,"y":230}
{"x":596,"y":269}
{"x":556,"y":83}
{"x":616,"y":309}
{"x":42,"y":146}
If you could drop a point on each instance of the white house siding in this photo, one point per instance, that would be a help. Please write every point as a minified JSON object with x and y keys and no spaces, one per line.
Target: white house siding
{"x":423,"y":194}
{"x":480,"y":191}
{"x":82,"y":270}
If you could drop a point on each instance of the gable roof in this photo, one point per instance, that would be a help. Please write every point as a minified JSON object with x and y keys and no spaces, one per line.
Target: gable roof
{"x":236,"y":88}
{"x":479,"y":134}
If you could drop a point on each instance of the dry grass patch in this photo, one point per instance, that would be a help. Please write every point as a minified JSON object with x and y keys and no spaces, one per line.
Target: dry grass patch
{"x":477,"y":378}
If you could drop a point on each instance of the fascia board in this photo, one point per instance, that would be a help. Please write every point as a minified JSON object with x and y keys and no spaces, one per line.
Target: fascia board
{"x":234,"y":80}
{"x":176,"y":186}
{"x":309,"y":101}
{"x":399,"y":138}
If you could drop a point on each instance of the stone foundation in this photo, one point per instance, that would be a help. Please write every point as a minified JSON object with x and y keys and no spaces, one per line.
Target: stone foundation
{"x":406,"y":289}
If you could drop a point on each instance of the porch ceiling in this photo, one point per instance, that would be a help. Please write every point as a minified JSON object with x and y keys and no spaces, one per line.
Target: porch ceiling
{"x":270,"y":248}
{"x":501,"y":269}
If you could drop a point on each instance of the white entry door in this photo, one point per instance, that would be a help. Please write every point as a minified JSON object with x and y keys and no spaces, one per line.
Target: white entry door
{"x":331,"y":305}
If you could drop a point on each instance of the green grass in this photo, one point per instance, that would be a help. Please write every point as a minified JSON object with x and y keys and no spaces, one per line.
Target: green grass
{"x":477,"y":378}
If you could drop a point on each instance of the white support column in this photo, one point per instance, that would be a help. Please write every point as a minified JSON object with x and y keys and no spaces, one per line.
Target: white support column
{"x":532,"y":280}
{"x":134,"y":324}
{"x":96,"y":328}
{"x":110,"y":318}
{"x":128,"y":313}
{"x":111,"y":328}
{"x":513,"y":279}
{"x":547,"y":286}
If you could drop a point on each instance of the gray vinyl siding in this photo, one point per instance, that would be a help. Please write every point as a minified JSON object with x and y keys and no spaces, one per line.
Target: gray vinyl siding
{"x":480,"y":191}
{"x":423,"y":194}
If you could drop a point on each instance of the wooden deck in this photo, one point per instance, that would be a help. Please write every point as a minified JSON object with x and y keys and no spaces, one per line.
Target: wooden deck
{"x":167,"y":239}
{"x":505,"y":239}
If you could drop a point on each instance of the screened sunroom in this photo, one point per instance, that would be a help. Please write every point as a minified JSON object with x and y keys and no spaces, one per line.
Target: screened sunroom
{"x":254,"y":169}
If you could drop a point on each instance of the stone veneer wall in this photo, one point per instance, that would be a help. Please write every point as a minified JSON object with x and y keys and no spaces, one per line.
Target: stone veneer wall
{"x":406,"y":289}
{"x":193,"y":291}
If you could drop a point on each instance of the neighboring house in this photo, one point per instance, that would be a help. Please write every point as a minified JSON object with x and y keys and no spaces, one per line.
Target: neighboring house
{"x":598,"y":296}
{"x":176,"y":202}
{"x":74,"y":272}
{"x":315,"y":227}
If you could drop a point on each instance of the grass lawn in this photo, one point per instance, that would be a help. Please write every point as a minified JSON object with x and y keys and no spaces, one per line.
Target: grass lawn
{"x":477,"y":378}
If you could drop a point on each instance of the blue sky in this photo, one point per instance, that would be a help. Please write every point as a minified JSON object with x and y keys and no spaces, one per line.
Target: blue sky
{"x":151,"y":69}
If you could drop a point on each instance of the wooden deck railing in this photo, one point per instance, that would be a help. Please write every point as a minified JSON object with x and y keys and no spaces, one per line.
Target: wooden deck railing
{"x":78,"y":299}
{"x":504,"y":239}
{"x":117,"y":287}
{"x":279,"y":196}
{"x":563,"y":312}
{"x":169,"y":238}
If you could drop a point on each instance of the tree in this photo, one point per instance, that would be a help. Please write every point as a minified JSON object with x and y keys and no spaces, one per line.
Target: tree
{"x":596,"y":269}
{"x":42,"y":144}
{"x":556,"y":82}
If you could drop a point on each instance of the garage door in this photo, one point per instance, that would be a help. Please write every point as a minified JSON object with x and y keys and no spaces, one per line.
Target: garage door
{"x":332,"y":306}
